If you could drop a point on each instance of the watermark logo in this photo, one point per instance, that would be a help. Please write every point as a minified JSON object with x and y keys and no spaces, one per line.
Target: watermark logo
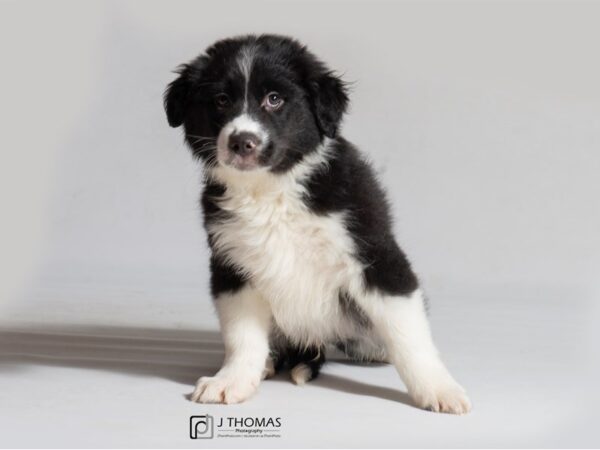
{"x":202,"y":427}
{"x":206,"y":426}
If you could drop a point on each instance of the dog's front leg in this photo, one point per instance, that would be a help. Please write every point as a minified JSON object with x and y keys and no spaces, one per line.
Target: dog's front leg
{"x":245,"y":319}
{"x":401,"y":322}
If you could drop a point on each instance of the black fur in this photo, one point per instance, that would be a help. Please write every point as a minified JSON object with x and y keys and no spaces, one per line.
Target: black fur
{"x":315,"y":101}
{"x":351,"y":186}
{"x":315,"y":98}
{"x":224,"y":277}
{"x":290,"y":356}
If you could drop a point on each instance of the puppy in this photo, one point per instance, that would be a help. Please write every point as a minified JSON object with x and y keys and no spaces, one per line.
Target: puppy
{"x":303,"y":253}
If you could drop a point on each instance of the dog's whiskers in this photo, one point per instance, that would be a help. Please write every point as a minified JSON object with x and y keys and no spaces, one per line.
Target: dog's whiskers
{"x":202,"y":137}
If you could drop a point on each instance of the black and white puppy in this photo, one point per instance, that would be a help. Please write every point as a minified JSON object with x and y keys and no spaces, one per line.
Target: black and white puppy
{"x":303,"y":253}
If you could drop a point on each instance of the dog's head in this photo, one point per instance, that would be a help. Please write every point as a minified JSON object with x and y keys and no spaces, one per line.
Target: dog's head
{"x":256,"y":102}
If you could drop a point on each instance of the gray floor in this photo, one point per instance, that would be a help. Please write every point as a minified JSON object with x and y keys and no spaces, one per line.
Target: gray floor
{"x":529,"y":363}
{"x":481,"y":119}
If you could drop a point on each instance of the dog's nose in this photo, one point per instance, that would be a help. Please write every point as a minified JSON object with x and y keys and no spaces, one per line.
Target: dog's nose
{"x":243,"y":143}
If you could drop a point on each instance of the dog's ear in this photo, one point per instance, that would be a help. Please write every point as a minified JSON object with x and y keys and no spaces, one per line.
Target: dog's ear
{"x":175,"y":98}
{"x":178,"y":92}
{"x":329,"y":99}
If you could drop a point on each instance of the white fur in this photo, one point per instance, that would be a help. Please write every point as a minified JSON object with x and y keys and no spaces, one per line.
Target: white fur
{"x":242,"y":123}
{"x":245,"y":61}
{"x":402,"y":324}
{"x":298,"y":260}
{"x":300,"y":374}
{"x":269,"y":370}
{"x":297,"y":263}
{"x":245,"y":323}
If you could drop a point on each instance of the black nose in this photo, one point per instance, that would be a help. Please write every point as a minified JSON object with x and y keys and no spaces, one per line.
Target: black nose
{"x":243,"y":143}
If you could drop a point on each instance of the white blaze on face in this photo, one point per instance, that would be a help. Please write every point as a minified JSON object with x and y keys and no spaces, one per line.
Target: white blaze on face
{"x":245,"y":61}
{"x":243,"y":123}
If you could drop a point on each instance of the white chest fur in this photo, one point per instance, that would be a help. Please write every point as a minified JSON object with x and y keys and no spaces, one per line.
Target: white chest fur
{"x":297,"y":260}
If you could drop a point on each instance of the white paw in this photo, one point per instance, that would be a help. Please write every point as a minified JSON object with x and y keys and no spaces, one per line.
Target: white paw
{"x":301,"y":374}
{"x":269,"y":370}
{"x":224,"y":389}
{"x":446,"y":397}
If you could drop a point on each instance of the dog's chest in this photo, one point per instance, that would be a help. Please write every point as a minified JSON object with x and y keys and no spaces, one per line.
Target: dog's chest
{"x":297,"y":259}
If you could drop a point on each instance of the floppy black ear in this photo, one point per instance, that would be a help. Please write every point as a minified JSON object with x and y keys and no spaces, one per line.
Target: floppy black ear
{"x":175,"y":97}
{"x":177,"y":94}
{"x":330,"y":101}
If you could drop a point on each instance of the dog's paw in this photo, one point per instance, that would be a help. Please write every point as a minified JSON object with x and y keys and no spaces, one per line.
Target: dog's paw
{"x":269,"y":370}
{"x":445,"y":397}
{"x":300,"y":374}
{"x":224,"y":389}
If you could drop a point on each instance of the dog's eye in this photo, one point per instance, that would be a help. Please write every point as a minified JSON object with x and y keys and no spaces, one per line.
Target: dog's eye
{"x":272,"y":101}
{"x":222,"y":100}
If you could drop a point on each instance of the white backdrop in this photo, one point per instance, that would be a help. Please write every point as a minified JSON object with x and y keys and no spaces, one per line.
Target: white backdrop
{"x":482,"y":118}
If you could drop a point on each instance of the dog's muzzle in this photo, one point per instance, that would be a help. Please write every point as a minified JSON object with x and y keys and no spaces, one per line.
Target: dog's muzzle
{"x":244,"y":143}
{"x":240,"y":143}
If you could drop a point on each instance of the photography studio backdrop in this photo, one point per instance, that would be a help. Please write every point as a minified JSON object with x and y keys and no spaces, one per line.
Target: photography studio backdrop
{"x":483,"y":120}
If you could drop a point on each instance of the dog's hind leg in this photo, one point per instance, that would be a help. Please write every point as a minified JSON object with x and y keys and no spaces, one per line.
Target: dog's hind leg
{"x":402,"y":324}
{"x":304,"y":362}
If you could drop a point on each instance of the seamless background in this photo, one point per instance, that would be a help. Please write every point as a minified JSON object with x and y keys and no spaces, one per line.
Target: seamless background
{"x":483,"y":120}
